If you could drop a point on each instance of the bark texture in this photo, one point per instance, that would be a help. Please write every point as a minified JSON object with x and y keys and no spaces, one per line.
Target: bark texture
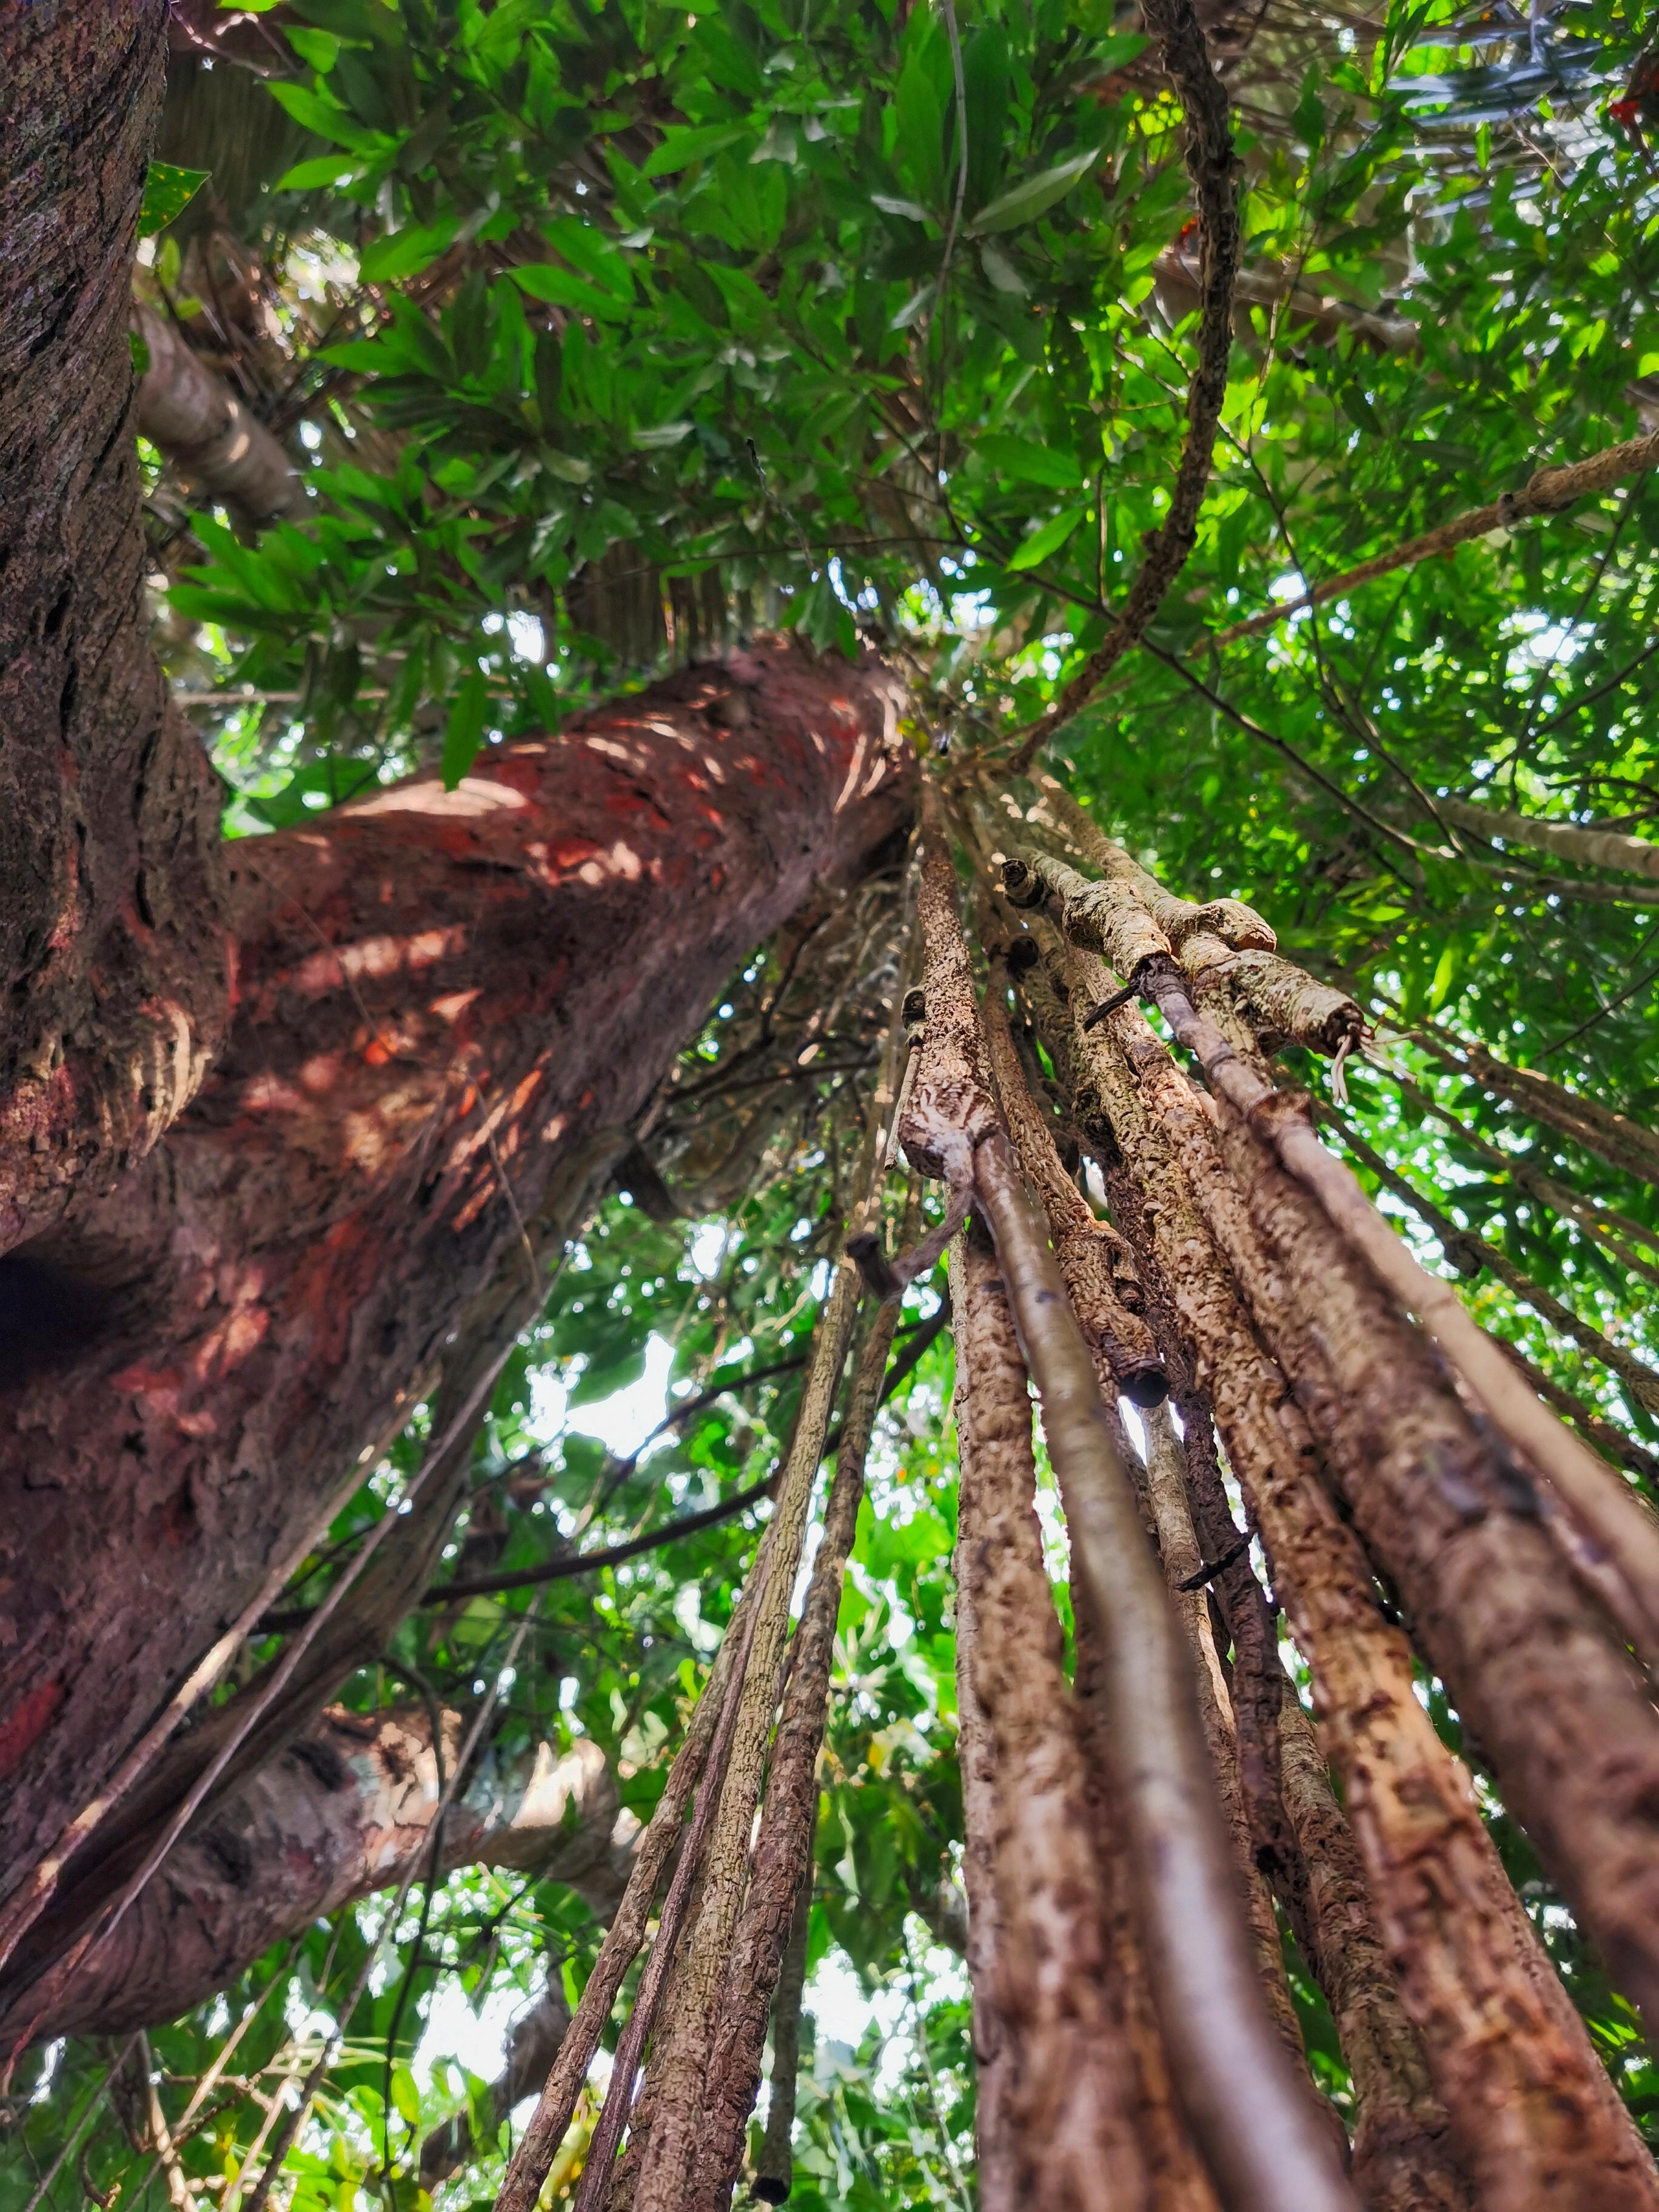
{"x":1256,"y":2123}
{"x":775,"y":1898}
{"x":1066,"y":2111}
{"x":1530,"y":2108}
{"x":443,"y":997}
{"x":114,"y":956}
{"x":346,"y":1811}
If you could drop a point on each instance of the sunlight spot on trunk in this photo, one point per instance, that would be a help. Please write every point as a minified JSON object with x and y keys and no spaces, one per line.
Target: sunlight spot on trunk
{"x":472,"y":795}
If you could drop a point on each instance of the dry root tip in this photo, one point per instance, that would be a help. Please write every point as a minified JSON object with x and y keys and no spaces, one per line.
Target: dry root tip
{"x":1022,"y":883}
{"x":1111,"y":1006}
{"x":866,"y":1255}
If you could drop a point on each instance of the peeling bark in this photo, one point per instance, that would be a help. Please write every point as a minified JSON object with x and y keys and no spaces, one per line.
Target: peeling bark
{"x":443,"y":998}
{"x":345,"y":1812}
{"x":114,"y":955}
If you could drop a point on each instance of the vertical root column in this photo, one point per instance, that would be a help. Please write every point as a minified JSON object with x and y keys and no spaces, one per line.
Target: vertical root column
{"x":1060,"y":2129}
{"x":1534,"y":2111}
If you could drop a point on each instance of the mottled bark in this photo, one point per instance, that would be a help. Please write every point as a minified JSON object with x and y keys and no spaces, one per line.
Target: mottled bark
{"x":346,"y":1811}
{"x":663,"y":2138}
{"x":1178,"y":2179}
{"x":217,"y":444}
{"x":1256,"y":2123}
{"x":114,"y":974}
{"x":1531,"y":2108}
{"x":1177,"y":1545}
{"x":775,"y":2161}
{"x":1064,"y":2115}
{"x":1404,"y":2158}
{"x":783,"y":1848}
{"x":1556,"y":1704}
{"x":1122,"y":1343}
{"x":444,"y":997}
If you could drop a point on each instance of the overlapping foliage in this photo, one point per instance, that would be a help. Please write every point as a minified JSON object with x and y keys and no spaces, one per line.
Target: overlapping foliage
{"x":610,"y":334}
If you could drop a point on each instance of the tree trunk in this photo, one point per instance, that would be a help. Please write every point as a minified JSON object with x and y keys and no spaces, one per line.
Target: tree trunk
{"x":442,"y":997}
{"x":347,"y":1811}
{"x":113,"y":953}
{"x":206,"y":431}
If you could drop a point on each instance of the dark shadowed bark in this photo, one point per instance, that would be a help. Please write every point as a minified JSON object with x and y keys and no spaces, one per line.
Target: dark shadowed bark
{"x":113,"y":953}
{"x":443,"y":998}
{"x":346,"y":1811}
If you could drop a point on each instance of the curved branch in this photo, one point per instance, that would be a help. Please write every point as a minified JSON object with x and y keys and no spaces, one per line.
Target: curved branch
{"x":1213,"y":168}
{"x":1548,"y":491}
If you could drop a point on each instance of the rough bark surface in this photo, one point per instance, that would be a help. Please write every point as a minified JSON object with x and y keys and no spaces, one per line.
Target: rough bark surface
{"x":348,"y":1810}
{"x":443,"y":996}
{"x":1121,"y":1342}
{"x":1531,"y":2110}
{"x":114,"y":974}
{"x":1179,"y":2180}
{"x":656,"y":2169}
{"x":1066,"y":2111}
{"x":1559,"y":1710}
{"x":783,"y":1858}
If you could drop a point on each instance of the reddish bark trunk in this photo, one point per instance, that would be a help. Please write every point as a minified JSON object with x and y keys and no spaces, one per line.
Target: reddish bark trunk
{"x":114,"y":954}
{"x":346,"y":1811}
{"x":442,"y":997}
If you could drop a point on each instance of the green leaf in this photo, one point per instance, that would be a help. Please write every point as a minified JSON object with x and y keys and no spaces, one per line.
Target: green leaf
{"x":985,"y":74}
{"x":167,"y":192}
{"x":464,"y":733}
{"x":1030,"y":463}
{"x":681,"y":145}
{"x":323,"y":169}
{"x":562,"y":288}
{"x":1049,"y":539}
{"x":402,"y":253}
{"x":1029,"y":200}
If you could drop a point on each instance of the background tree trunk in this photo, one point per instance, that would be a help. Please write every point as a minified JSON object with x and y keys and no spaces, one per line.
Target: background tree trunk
{"x":113,"y":953}
{"x":441,"y":997}
{"x":346,"y":1811}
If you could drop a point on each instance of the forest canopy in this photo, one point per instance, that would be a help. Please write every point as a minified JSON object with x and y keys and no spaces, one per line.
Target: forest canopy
{"x":1223,"y":440}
